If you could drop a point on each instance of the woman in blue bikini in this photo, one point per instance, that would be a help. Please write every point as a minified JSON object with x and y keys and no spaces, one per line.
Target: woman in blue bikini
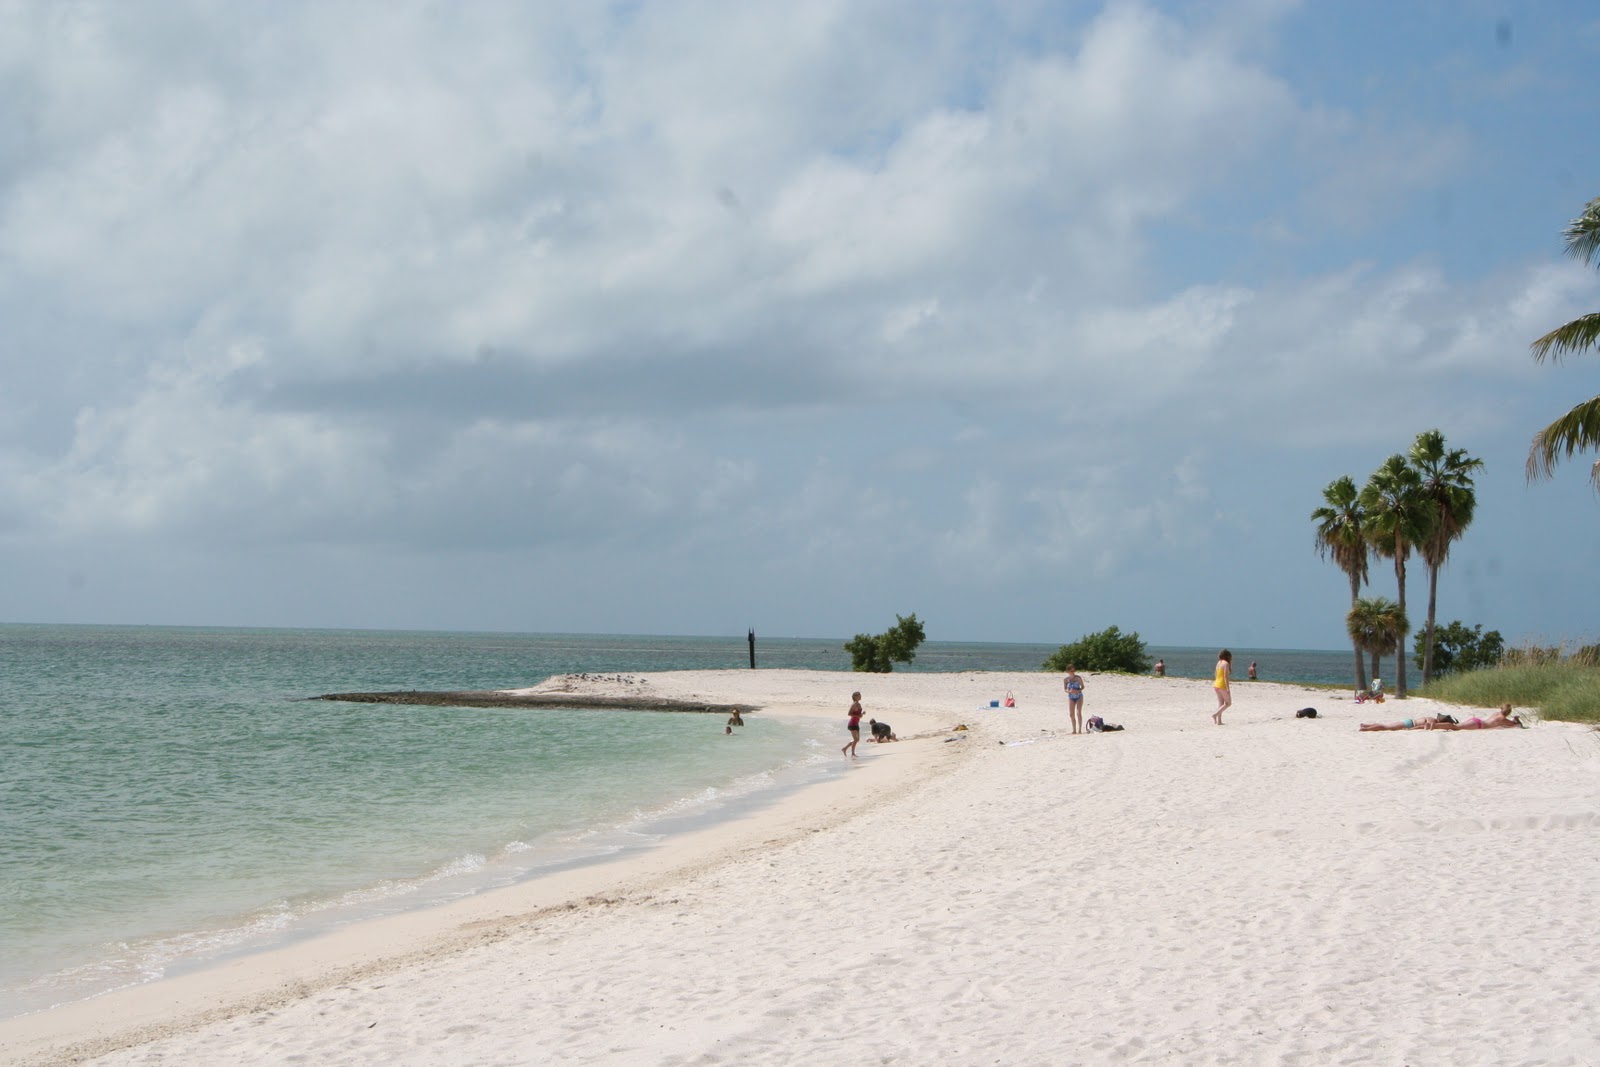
{"x":1073,"y":684}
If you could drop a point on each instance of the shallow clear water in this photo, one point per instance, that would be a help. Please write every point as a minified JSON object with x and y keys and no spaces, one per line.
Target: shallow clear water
{"x":167,"y":794}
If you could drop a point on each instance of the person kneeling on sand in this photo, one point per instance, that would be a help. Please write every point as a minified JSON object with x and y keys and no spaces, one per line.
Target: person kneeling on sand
{"x":1500,"y":720}
{"x":881,"y":731}
{"x":1409,"y":724}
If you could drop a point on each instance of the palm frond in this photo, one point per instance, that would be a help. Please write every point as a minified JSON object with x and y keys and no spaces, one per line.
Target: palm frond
{"x":1579,"y":429}
{"x":1583,"y":233}
{"x":1398,"y":515}
{"x":1446,"y":475}
{"x":1576,"y":431}
{"x":1576,"y":336}
{"x":1341,"y":530}
{"x":1377,"y":624}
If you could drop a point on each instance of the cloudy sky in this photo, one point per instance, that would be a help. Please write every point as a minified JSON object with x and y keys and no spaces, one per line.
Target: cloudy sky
{"x":682,"y":317}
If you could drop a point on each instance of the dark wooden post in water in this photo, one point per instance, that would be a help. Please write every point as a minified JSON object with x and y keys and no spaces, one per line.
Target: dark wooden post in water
{"x":752,"y":640}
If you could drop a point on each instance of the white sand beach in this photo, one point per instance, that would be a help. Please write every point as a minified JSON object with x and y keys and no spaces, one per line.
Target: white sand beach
{"x":1271,"y":891}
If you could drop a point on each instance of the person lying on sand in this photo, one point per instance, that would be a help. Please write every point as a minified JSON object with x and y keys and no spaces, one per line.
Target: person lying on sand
{"x":1500,"y":720}
{"x":1409,"y":724}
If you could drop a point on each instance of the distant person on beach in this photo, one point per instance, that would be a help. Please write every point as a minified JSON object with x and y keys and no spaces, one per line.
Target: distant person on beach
{"x":881,"y":731}
{"x":1221,"y":685}
{"x":854,"y":725}
{"x":1500,"y":720}
{"x":1161,"y":668}
{"x":1073,"y":684}
{"x":1409,"y":724}
{"x":735,"y":719}
{"x":1252,"y":670}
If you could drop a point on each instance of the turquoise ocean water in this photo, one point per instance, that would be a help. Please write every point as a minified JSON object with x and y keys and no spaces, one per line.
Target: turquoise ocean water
{"x":168,"y":796}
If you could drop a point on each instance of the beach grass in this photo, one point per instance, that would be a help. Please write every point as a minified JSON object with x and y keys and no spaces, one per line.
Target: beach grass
{"x":1565,"y":689}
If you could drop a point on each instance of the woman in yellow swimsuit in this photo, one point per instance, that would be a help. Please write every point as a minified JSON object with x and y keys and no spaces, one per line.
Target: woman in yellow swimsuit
{"x":1224,"y":675}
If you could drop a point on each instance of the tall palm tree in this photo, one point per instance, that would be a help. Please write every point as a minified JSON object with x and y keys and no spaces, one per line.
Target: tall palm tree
{"x":1378,"y":627}
{"x":1398,"y":519}
{"x":1579,"y":429}
{"x":1447,"y":486}
{"x":1342,"y":534}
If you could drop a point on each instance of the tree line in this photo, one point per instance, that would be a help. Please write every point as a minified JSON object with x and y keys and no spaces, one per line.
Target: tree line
{"x":1419,"y":502}
{"x":1423,"y":501}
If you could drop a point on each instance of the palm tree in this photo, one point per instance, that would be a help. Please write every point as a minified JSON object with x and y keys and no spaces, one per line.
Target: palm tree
{"x":1579,"y":429}
{"x":1398,"y":519}
{"x":1378,"y":627}
{"x":1342,"y":534}
{"x":1447,"y":486}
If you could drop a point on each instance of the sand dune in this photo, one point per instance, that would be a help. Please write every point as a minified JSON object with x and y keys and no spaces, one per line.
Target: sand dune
{"x":1273,"y":891}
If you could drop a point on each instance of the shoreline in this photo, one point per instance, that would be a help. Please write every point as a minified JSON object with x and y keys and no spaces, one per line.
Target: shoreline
{"x":1177,"y":891}
{"x":257,"y":980}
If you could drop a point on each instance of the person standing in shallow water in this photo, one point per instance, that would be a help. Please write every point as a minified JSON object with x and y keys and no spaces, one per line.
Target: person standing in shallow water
{"x":854,"y":725}
{"x":1221,"y":685}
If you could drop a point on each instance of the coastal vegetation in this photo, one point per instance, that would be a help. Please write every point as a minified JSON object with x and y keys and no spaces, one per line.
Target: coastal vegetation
{"x":1457,"y":649}
{"x":1398,"y":518}
{"x":1588,"y":655}
{"x":878,"y":653}
{"x":1342,"y":534}
{"x":1378,"y":627}
{"x":1579,"y":429}
{"x":1108,"y":650}
{"x":1422,"y":501}
{"x":1447,"y":494}
{"x":1562,"y":687}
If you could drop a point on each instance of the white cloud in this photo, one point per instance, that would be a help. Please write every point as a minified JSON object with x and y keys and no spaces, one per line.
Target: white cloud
{"x":855,"y":286}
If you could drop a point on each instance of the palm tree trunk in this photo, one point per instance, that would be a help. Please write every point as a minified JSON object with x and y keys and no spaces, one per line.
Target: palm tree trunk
{"x":1400,"y":659}
{"x":1361,"y":675}
{"x":1433,"y":602}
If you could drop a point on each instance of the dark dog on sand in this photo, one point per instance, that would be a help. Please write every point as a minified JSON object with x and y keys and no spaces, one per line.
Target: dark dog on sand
{"x":881,"y":731}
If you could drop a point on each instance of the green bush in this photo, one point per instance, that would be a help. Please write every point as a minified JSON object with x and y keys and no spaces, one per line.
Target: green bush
{"x":878,"y":653}
{"x":1456,"y":648}
{"x":1108,"y":650}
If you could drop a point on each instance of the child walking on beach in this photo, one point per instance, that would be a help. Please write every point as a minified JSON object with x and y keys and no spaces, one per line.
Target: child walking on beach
{"x":854,"y":725}
{"x":1224,"y":694}
{"x":1073,"y":684}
